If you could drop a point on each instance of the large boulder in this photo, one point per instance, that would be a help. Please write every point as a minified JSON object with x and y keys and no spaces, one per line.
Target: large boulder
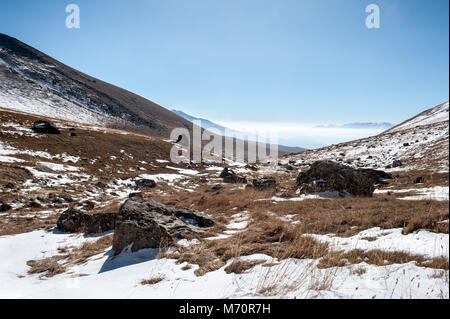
{"x":45,"y":127}
{"x":326,"y":176}
{"x":75,"y":221}
{"x":148,"y":224}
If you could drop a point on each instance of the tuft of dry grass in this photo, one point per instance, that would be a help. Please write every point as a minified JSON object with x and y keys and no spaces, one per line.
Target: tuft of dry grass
{"x":47,"y":267}
{"x":152,"y":281}
{"x":240,"y":266}
{"x":379,"y":258}
{"x":69,"y":256}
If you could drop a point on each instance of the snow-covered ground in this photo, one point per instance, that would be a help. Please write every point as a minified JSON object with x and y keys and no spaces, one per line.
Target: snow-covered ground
{"x":120,"y":277}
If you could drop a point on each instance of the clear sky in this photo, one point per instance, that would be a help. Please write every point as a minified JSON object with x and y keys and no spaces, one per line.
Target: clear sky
{"x":283,"y":61}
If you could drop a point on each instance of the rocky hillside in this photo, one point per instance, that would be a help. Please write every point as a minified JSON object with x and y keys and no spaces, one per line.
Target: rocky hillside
{"x":121,"y":221}
{"x":33,"y":82}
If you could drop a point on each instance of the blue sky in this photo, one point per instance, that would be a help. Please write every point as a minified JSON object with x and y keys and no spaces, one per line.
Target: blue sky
{"x":267,"y":61}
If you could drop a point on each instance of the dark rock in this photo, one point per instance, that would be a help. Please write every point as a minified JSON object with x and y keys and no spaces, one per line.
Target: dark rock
{"x":148,"y":224}
{"x":88,"y":205}
{"x":251,"y":167}
{"x":397,"y":163}
{"x":419,"y":180}
{"x":225,"y":172}
{"x":73,"y":134}
{"x":75,"y":221}
{"x":101,"y":184}
{"x":145,"y":183}
{"x":405,"y":144}
{"x":234,"y":179}
{"x":214,"y":188}
{"x":4,"y":207}
{"x":289,"y":167}
{"x":45,"y":169}
{"x":230,"y":177}
{"x":45,"y":127}
{"x":34,"y":204}
{"x":264,"y":183}
{"x":134,"y":195}
{"x":330,"y":176}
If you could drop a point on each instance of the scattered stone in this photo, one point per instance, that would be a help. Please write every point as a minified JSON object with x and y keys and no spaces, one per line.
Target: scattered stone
{"x":397,"y":163}
{"x":251,"y":167}
{"x":214,"y":188}
{"x":45,"y":169}
{"x":145,"y":183}
{"x":88,"y":205}
{"x":34,"y":204}
{"x":101,"y":184}
{"x":45,"y":127}
{"x":75,"y":221}
{"x":264,"y":183}
{"x":405,"y":144}
{"x":148,"y":224}
{"x":289,"y":167}
{"x":4,"y":207}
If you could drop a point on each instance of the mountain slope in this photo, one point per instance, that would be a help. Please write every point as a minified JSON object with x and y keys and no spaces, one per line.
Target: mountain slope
{"x":421,"y":142}
{"x":33,"y":82}
{"x":436,"y":114}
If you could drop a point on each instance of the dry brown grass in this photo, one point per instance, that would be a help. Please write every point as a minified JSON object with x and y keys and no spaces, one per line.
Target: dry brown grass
{"x":379,"y":258}
{"x":47,"y":267}
{"x":69,"y":256}
{"x":239,"y":266}
{"x":152,"y":281}
{"x":14,"y":223}
{"x":267,"y":234}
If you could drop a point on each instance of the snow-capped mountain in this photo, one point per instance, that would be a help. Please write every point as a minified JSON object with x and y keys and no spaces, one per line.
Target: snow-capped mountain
{"x":33,"y":82}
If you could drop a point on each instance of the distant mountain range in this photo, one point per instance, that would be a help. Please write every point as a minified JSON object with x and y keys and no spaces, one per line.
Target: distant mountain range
{"x":208,"y":125}
{"x":360,"y":125}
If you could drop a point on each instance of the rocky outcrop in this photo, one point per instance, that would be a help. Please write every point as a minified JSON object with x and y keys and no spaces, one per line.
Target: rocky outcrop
{"x":148,"y":224}
{"x":75,"y":221}
{"x":326,"y":176}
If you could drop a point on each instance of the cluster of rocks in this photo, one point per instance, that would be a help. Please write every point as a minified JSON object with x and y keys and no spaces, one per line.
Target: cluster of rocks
{"x":139,"y":224}
{"x":326,"y":176}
